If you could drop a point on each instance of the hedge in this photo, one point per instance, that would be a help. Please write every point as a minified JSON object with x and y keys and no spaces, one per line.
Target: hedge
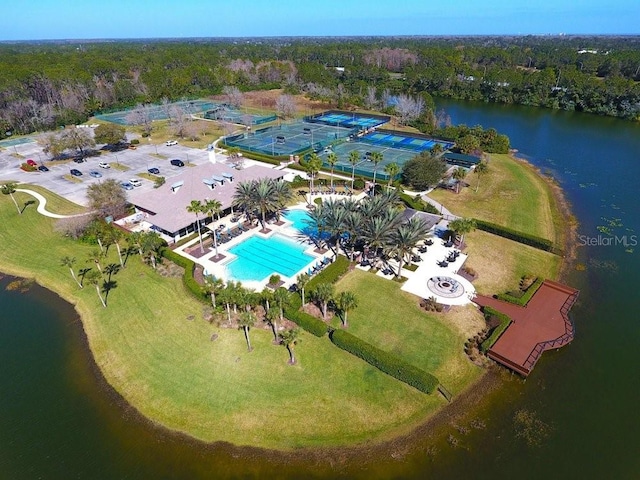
{"x":308,"y":322}
{"x":385,"y":361}
{"x":505,"y":321}
{"x":526,"y":296}
{"x":189,"y":266}
{"x":331,"y":273}
{"x":418,"y":204}
{"x":531,"y":240}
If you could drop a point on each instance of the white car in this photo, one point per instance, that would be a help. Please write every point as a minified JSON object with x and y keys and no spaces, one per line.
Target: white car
{"x":170,"y":143}
{"x":104,"y":165}
{"x":135,"y":182}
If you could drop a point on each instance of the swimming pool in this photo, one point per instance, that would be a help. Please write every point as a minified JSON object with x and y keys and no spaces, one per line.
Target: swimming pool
{"x":300,"y":219}
{"x":258,"y":258}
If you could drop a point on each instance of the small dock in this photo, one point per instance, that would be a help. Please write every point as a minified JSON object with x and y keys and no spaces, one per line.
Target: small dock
{"x":543,"y":324}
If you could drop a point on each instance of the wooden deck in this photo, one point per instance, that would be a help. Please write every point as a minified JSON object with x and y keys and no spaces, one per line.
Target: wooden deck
{"x":543,"y":324}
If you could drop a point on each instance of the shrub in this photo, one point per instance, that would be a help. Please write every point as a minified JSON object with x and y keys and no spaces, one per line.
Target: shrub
{"x":358,"y":184}
{"x":385,"y":361}
{"x":504,"y":320}
{"x":523,"y":299}
{"x":274,"y":279}
{"x":135,"y":141}
{"x":299,"y":182}
{"x":524,"y":238}
{"x":189,"y":266}
{"x":28,"y":168}
{"x":418,"y":204}
{"x":331,"y":274}
{"x":310,"y":323}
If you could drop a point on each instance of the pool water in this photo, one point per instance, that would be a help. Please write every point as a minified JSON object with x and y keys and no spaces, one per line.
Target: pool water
{"x":258,"y":258}
{"x":300,"y":219}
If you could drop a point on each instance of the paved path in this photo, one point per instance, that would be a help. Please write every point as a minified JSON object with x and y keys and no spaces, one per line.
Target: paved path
{"x":42,"y":210}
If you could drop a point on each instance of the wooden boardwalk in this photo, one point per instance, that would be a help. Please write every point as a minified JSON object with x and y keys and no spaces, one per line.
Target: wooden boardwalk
{"x":543,"y":324}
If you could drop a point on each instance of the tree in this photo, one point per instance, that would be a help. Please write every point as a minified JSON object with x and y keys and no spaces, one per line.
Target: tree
{"x":346,"y":301}
{"x":332,"y":160}
{"x":423,"y":171}
{"x":246,"y":320}
{"x":376,"y":158}
{"x":95,"y":256}
{"x":314,"y":164}
{"x":78,"y":139}
{"x":107,"y":199}
{"x":9,"y":188}
{"x":324,"y":293}
{"x":282,"y":298}
{"x":285,"y":106}
{"x":110,"y":133}
{"x":468,"y":143}
{"x":69,"y":262}
{"x":392,"y":169}
{"x":196,"y":207}
{"x":150,"y":244}
{"x":301,"y":281}
{"x":271,"y":317}
{"x":233,"y":96}
{"x":212,"y":207}
{"x":480,"y":170}
{"x":403,"y":239}
{"x":408,"y":108}
{"x":112,"y":236}
{"x":213,"y":285}
{"x":462,"y":226}
{"x":354,"y":158}
{"x":289,"y":339}
{"x":458,"y":175}
{"x":94,"y":277}
{"x":141,"y":116}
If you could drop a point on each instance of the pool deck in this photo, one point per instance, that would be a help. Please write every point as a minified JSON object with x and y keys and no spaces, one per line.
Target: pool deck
{"x":543,"y":324}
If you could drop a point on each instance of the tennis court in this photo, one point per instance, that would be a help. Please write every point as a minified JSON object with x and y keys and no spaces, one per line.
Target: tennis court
{"x":289,"y":138}
{"x":226,"y":113}
{"x":159,"y":112}
{"x":12,"y":142}
{"x":395,"y":147}
{"x":348,"y":119}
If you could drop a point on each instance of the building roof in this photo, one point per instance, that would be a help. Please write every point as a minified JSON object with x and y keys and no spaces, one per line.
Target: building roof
{"x":429,"y":218}
{"x":168,"y":203}
{"x":460,"y":159}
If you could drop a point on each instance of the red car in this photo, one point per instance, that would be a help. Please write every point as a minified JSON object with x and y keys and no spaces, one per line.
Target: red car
{"x":31,"y":163}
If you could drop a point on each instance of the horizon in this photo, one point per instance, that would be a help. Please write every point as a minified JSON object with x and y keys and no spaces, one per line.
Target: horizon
{"x":64,"y":20}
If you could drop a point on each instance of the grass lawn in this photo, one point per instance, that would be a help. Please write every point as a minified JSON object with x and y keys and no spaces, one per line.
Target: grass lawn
{"x":392,"y":320}
{"x":154,"y":347}
{"x":512,"y":194}
{"x":55,"y":203}
{"x":206,"y":132}
{"x":501,"y":263}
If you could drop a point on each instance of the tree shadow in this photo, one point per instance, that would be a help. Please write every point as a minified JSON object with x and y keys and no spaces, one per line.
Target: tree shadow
{"x":26,"y":204}
{"x":111,"y":269}
{"x":107,"y":286}
{"x":82,"y":273}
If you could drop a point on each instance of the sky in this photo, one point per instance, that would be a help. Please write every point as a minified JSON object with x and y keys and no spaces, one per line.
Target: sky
{"x":88,"y":19}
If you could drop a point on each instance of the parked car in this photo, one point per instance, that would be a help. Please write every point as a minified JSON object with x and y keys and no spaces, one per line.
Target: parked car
{"x":95,"y":174}
{"x":126,"y":185}
{"x":154,"y":170}
{"x":177,"y":162}
{"x":104,"y":165}
{"x":75,"y":172}
{"x":31,"y":163}
{"x":170,"y":143}
{"x":78,"y":160}
{"x":132,"y":147}
{"x":135,"y":182}
{"x":42,"y":168}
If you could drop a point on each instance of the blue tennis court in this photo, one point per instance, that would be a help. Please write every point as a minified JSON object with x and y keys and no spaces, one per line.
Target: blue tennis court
{"x":348,"y":119}
{"x":12,"y":142}
{"x":409,"y":142}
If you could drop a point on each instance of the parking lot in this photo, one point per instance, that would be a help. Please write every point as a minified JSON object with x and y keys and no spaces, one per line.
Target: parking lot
{"x":137,"y":161}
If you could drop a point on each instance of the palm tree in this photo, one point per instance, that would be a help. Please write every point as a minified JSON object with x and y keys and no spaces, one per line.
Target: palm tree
{"x":302,"y":280}
{"x":243,"y":198}
{"x":246,"y":320}
{"x":150,"y":244}
{"x":403,"y":239}
{"x":113,"y":236}
{"x":392,"y":169}
{"x":324,"y":294}
{"x":211,"y":208}
{"x":69,"y":262}
{"x":94,"y":277}
{"x":290,"y":338}
{"x":462,"y":226}
{"x":376,"y":158}
{"x":346,"y":301}
{"x":458,"y":174}
{"x":110,"y":270}
{"x":314,"y":164}
{"x":196,"y":207}
{"x":354,"y":158}
{"x":271,"y":317}
{"x":332,"y":160}
{"x":282,"y":298}
{"x":481,"y":169}
{"x":95,"y":256}
{"x":284,"y":195}
{"x":9,"y":189}
{"x":265,"y":198}
{"x":213,"y":285}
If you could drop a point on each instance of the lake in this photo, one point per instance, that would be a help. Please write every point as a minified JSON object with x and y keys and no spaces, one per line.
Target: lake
{"x":58,"y":420}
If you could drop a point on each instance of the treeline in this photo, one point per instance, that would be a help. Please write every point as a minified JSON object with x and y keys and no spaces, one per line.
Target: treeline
{"x":49,"y":84}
